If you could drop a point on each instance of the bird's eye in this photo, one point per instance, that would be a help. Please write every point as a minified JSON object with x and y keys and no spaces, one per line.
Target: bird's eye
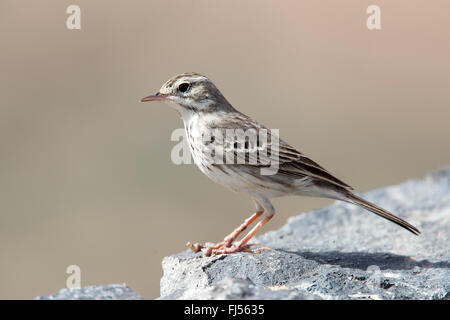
{"x":183,"y":87}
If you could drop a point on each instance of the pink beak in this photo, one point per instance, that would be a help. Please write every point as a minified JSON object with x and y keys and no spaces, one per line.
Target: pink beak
{"x":155,"y":97}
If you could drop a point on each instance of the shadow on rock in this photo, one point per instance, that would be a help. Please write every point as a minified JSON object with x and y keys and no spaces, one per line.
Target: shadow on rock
{"x":362,"y":260}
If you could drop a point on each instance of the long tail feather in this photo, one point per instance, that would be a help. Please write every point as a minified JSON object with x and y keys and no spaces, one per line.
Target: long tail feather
{"x":382,"y":213}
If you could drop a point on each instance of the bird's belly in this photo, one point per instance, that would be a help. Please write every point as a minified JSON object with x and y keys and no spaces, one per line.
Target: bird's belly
{"x":238,"y":180}
{"x":224,"y":175}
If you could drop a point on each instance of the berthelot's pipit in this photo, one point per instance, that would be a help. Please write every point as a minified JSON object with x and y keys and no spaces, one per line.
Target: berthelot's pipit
{"x":208,"y":119}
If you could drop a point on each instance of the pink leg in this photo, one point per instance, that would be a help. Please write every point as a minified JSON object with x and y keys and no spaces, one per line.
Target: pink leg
{"x":208,"y":249}
{"x":242,"y":245}
{"x":255,"y":229}
{"x":232,"y":236}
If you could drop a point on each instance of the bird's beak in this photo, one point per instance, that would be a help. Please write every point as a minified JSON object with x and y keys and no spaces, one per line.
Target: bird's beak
{"x":155,"y":97}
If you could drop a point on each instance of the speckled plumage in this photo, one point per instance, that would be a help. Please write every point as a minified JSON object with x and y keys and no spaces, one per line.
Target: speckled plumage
{"x":208,"y":117}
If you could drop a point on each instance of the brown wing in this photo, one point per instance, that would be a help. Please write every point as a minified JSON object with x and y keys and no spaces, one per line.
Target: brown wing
{"x":301,"y":165}
{"x":290,"y":161}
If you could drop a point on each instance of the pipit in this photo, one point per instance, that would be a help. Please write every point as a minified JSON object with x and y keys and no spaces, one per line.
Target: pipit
{"x":238,"y":160}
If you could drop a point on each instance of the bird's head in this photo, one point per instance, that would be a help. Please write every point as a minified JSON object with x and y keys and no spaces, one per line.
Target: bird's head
{"x":191,"y":92}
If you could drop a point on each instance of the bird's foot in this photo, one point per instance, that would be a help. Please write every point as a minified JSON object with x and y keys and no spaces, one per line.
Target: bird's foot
{"x":227,"y":246}
{"x":223,"y":247}
{"x":239,"y":248}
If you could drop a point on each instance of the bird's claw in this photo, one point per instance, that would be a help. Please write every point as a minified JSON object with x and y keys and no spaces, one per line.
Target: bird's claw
{"x":194,"y":247}
{"x":209,"y":248}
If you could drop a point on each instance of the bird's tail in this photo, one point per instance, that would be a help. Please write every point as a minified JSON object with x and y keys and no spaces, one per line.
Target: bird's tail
{"x":381,"y":212}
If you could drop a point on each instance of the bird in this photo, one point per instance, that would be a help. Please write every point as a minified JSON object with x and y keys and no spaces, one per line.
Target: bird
{"x":243,"y":155}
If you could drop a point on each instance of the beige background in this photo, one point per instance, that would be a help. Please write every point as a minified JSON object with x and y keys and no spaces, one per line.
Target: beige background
{"x":85,"y":170}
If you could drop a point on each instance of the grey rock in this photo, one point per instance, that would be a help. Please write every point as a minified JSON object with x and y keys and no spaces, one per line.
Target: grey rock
{"x":109,"y":292}
{"x":238,"y":289}
{"x":339,"y":252}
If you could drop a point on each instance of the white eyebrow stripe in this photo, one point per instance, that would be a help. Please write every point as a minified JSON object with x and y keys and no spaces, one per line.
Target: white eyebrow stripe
{"x":191,"y":79}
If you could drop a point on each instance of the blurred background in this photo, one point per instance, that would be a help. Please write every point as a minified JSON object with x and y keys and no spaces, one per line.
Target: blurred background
{"x":85,"y":170}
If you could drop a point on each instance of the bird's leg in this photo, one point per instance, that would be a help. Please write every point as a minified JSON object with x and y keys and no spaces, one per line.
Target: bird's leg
{"x":255,"y":229}
{"x":263,"y":204}
{"x":228,"y":241}
{"x":242,"y":245}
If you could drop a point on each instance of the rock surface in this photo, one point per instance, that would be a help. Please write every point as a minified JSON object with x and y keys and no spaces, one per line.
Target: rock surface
{"x":109,"y":292}
{"x":339,"y":252}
